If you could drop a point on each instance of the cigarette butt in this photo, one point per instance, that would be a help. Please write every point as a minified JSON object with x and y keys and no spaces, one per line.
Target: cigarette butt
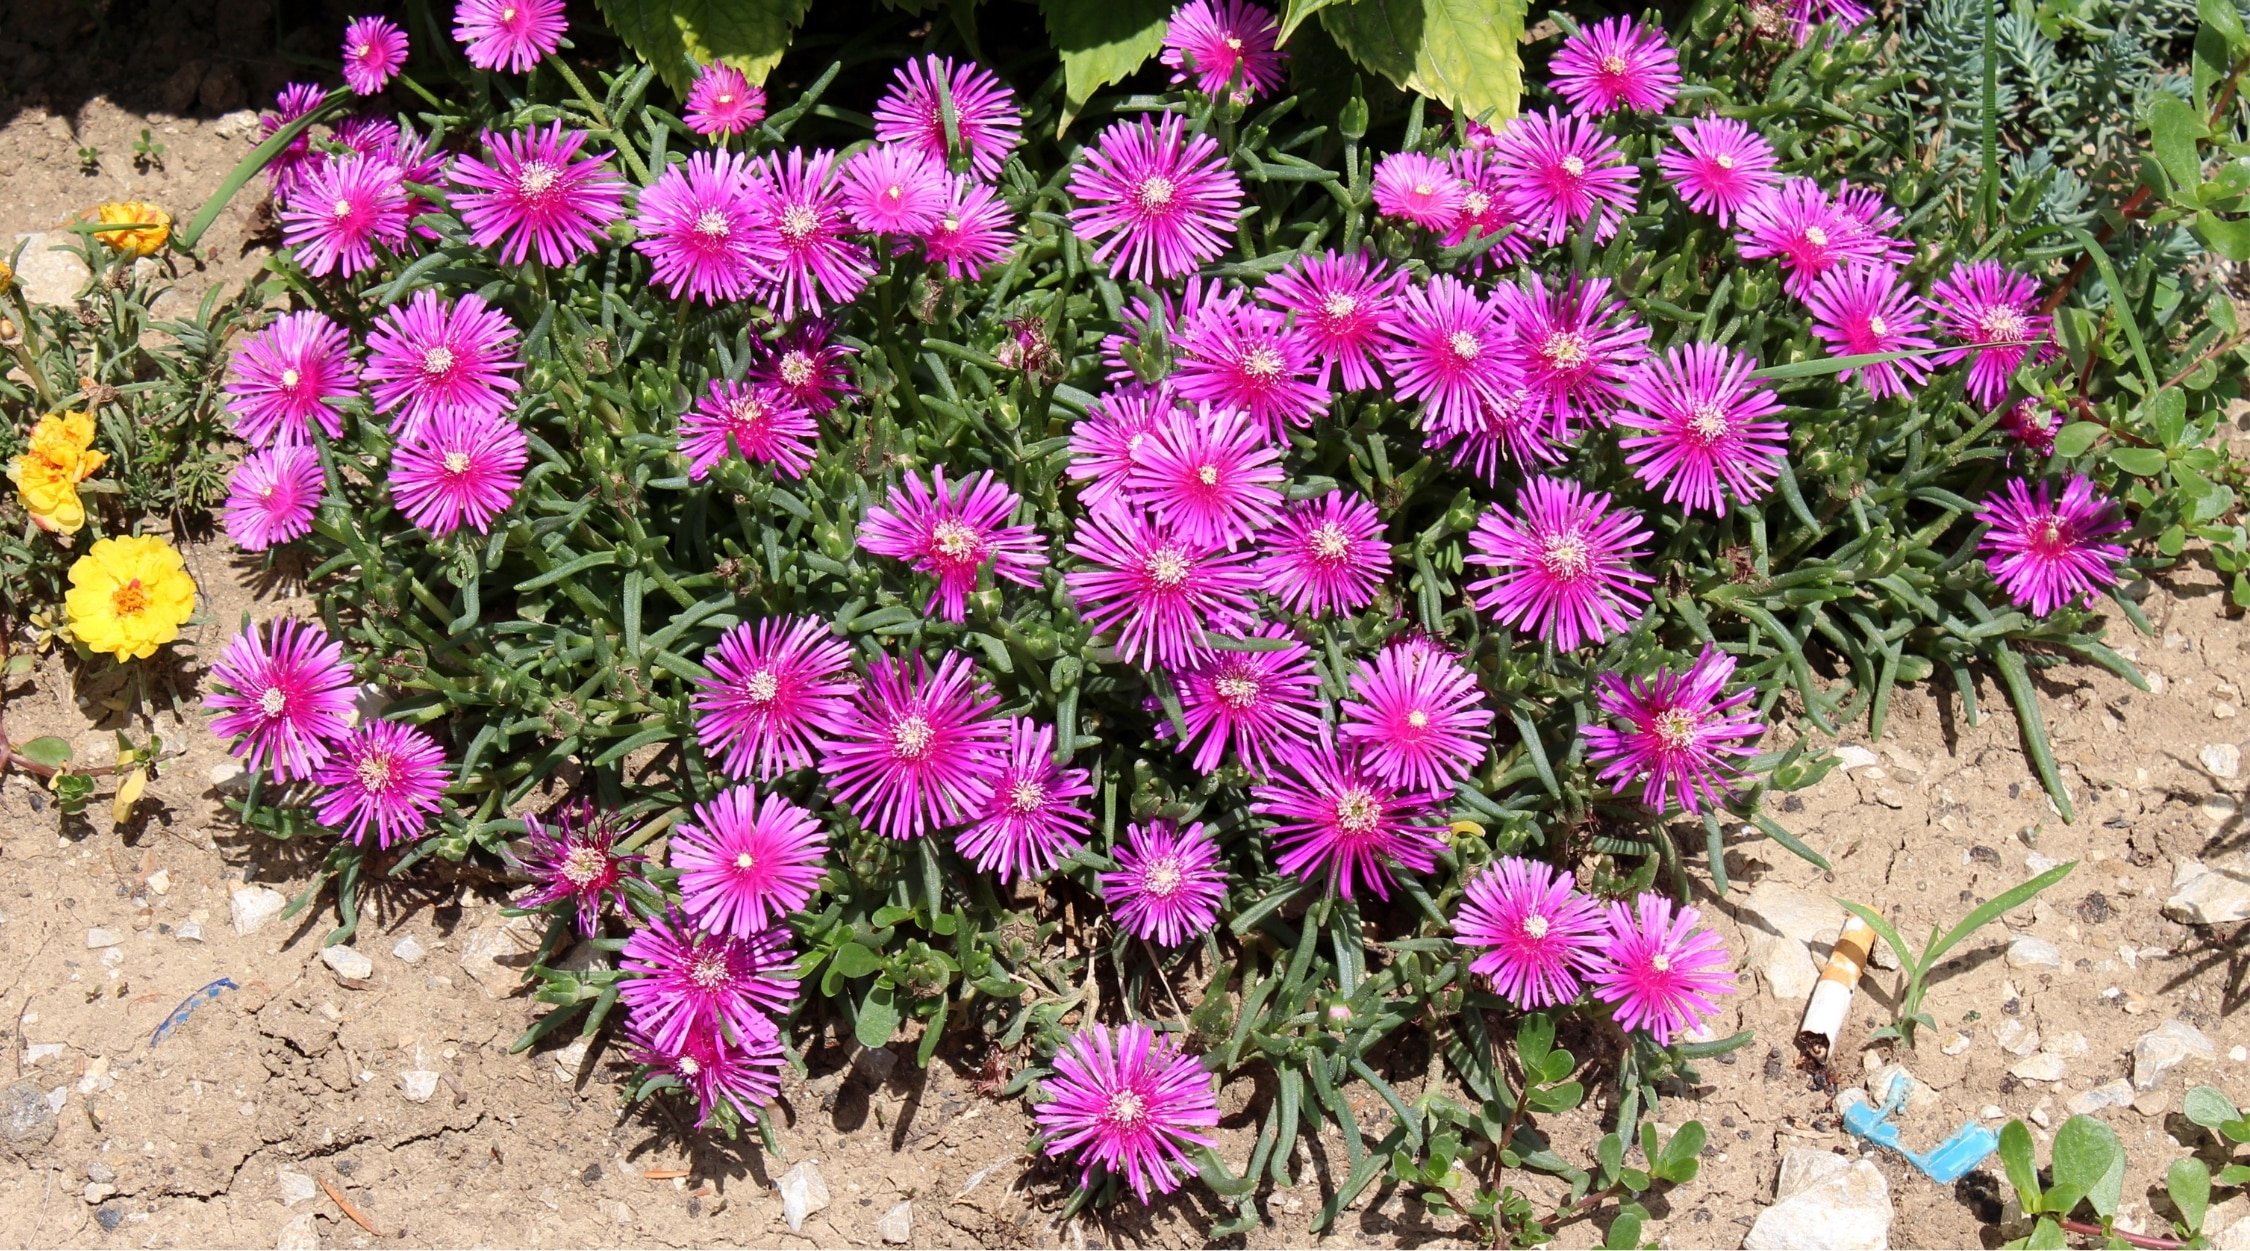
{"x":1832,"y":995}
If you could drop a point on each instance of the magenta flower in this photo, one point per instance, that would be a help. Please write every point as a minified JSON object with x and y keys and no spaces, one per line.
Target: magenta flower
{"x":985,"y":116}
{"x":1337,"y":823}
{"x":1450,"y":350}
{"x":744,"y":1076}
{"x":680,"y":980}
{"x":746,"y":863}
{"x":894,"y":189}
{"x":1807,"y":15}
{"x":809,"y":365}
{"x":756,"y":421}
{"x":1994,"y":311}
{"x":1863,"y":309}
{"x":1484,"y":211}
{"x":1128,"y":1104}
{"x":1508,"y":427}
{"x":1212,"y":476}
{"x":776,"y":685}
{"x":1718,"y":165}
{"x":289,"y":377}
{"x":1168,"y":883}
{"x":1616,"y":64}
{"x":1577,"y":344}
{"x":284,"y":697}
{"x":951,"y":533}
{"x":1708,"y":423}
{"x":919,"y":750}
{"x":1562,"y":172}
{"x":460,"y":469}
{"x":722,"y":102}
{"x":1878,"y":223}
{"x":1127,"y":356}
{"x":975,"y":231}
{"x":1418,"y":188}
{"x":1563,"y":568}
{"x":699,"y":226}
{"x":1037,"y":813}
{"x":1109,"y":443}
{"x":802,"y":243}
{"x":1417,"y":717}
{"x":1658,"y":970}
{"x":2032,"y":423}
{"x":536,"y":196}
{"x":384,"y":779}
{"x":1341,"y":306}
{"x":1165,"y":595}
{"x":1209,"y":42}
{"x":1242,"y":356}
{"x":1254,"y":702}
{"x":272,"y":496}
{"x":285,"y":173}
{"x":374,"y":49}
{"x":1798,"y":225}
{"x":1684,"y":738}
{"x":1542,"y":933}
{"x":435,"y":358}
{"x":2048,"y":553}
{"x":508,"y":34}
{"x":1325,"y":556}
{"x":572,"y":859}
{"x":1164,"y":199}
{"x":343,"y":208}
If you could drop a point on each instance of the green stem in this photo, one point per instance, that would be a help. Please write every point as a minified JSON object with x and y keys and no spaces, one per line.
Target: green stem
{"x":424,"y":92}
{"x":600,"y":115}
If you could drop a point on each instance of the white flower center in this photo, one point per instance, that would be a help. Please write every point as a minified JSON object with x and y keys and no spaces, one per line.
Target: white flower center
{"x":1613,"y":65}
{"x":536,"y":178}
{"x":689,"y":1066}
{"x":584,"y":864}
{"x":709,"y":971}
{"x":273,"y":701}
{"x":712,"y":224}
{"x":1419,"y":719}
{"x":796,"y":368}
{"x":1163,"y":877}
{"x":1878,"y":327}
{"x":1126,"y":1110}
{"x":1676,"y":728}
{"x":1565,"y":349}
{"x":1574,"y":166}
{"x":341,"y":209}
{"x":911,"y":737}
{"x":2005,"y":325}
{"x":726,"y":97}
{"x":374,"y":772}
{"x":1262,"y":363}
{"x":1465,"y":346}
{"x":1357,"y":812}
{"x":954,"y":540}
{"x":1475,"y":203}
{"x":1708,"y":422}
{"x":1566,"y":556}
{"x":1237,"y":691}
{"x":437,"y":362}
{"x":1339,"y":305}
{"x":761,"y":686}
{"x":1660,"y":962}
{"x":744,"y":860}
{"x":1816,"y":236}
{"x":1329,"y":542}
{"x":1208,"y":475}
{"x":1723,"y":161}
{"x":457,"y":462}
{"x":1026,"y":796}
{"x":1535,"y":926}
{"x":1156,"y":192}
{"x":1168,"y":567}
{"x":290,"y":378}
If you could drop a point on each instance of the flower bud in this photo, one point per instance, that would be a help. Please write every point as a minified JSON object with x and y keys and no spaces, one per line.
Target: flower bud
{"x":1352,"y":122}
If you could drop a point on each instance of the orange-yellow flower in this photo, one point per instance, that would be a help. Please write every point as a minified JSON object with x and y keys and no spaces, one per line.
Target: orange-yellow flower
{"x":147,"y":226}
{"x":129,"y":596}
{"x":48,"y":472}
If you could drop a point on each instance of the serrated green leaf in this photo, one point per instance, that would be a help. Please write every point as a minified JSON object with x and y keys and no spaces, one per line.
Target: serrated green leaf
{"x":1101,"y":43}
{"x":1295,"y":12}
{"x":678,"y":37}
{"x":1463,"y":53}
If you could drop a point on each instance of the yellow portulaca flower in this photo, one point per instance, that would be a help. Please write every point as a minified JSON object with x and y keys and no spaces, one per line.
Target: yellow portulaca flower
{"x":48,"y":472}
{"x":129,"y":596}
{"x":142,"y":240}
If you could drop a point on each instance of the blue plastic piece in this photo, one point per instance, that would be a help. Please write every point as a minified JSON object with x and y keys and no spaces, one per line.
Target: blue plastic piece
{"x":1944,"y":1165}
{"x":190,"y":1004}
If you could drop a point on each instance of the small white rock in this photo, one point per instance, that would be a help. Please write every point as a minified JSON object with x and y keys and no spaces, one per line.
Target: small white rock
{"x":2202,"y":895}
{"x":2221,"y":760}
{"x":568,"y":1060}
{"x":418,"y":1085}
{"x":348,"y":962}
{"x":897,"y":1225}
{"x":2111,"y":1094}
{"x":189,"y":932}
{"x":252,"y":907}
{"x":1847,"y":1208}
{"x":1957,"y":1044}
{"x":39,"y":1053}
{"x":161,"y":881}
{"x":1992,"y":1112}
{"x":2027,"y":952}
{"x":98,"y":938}
{"x":302,"y":1233}
{"x":2240,"y":1055}
{"x":803,"y":1192}
{"x":409,"y":950}
{"x":2043,"y":1067}
{"x":1852,"y":756}
{"x":228,"y":777}
{"x":295,"y":1187}
{"x":2224,"y":711}
{"x":2036,"y":863}
{"x":2165,"y":1048}
{"x":2015,"y":1037}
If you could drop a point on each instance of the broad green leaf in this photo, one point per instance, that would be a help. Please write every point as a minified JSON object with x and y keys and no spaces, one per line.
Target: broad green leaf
{"x":2046,"y":1236}
{"x":1295,"y":12}
{"x":878,"y":1016}
{"x":2022,"y":1165}
{"x":48,"y":752}
{"x":1461,"y":52}
{"x":853,"y":960}
{"x":1535,"y":1037}
{"x":2189,"y":1184}
{"x":2141,"y":462}
{"x":2209,"y":1107}
{"x":1625,"y":1231}
{"x":2173,"y":128}
{"x":1102,"y":41}
{"x":2089,"y":1156}
{"x":679,"y":37}
{"x":2167,"y":415}
{"x":2228,"y":236}
{"x":2226,"y":22}
{"x":2073,"y":439}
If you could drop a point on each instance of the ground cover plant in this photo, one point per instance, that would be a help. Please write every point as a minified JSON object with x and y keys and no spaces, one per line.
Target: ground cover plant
{"x":1241,"y":583}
